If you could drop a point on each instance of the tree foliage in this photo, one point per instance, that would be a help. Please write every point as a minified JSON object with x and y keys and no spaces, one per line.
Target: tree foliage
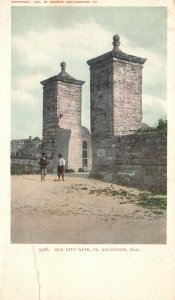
{"x":160,"y":126}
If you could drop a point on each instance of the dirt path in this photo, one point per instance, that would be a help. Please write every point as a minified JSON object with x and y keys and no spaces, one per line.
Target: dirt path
{"x":82,"y":211}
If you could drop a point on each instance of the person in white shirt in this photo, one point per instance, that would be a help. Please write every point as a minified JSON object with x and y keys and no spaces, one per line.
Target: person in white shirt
{"x":61,"y":165}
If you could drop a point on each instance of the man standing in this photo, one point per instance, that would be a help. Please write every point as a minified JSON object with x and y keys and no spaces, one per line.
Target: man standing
{"x":43,"y":166}
{"x":60,"y":168}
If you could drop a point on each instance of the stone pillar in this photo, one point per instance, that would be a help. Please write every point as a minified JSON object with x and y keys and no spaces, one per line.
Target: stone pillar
{"x":116,"y":93}
{"x":50,"y":116}
{"x":62,"y":130}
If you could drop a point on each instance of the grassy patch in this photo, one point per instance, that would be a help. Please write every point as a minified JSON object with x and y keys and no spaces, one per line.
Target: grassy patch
{"x":23,"y":172}
{"x":157,"y":203}
{"x":158,"y":212}
{"x":17,"y":172}
{"x":152,"y":202}
{"x":161,"y":192}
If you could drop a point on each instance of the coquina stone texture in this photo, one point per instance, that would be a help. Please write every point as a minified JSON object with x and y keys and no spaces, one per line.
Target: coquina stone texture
{"x":24,"y":166}
{"x":62,"y":129}
{"x":116,"y":93}
{"x":138,"y":160}
{"x":25,"y":154}
{"x":118,"y":153}
{"x":26,"y":148}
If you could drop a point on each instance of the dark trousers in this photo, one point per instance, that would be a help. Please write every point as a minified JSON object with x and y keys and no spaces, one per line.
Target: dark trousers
{"x":60,"y":171}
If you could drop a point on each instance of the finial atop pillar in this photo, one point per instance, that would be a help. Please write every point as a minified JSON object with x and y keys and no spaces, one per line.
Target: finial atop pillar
{"x":63,"y":66}
{"x":116,"y":42}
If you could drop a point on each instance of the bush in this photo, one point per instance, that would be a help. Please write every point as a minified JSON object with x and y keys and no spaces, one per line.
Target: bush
{"x":160,"y":126}
{"x":83,"y":170}
{"x":69,"y":170}
{"x":36,"y":138}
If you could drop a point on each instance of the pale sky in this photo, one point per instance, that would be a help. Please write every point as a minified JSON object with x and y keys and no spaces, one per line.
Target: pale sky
{"x":43,"y":37}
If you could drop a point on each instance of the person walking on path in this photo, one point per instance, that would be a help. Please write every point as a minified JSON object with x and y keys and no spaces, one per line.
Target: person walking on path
{"x":61,"y":165}
{"x":43,"y":166}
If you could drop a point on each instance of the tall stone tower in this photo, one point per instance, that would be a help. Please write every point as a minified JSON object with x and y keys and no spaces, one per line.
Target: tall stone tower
{"x":62,"y":130}
{"x":116,"y":92}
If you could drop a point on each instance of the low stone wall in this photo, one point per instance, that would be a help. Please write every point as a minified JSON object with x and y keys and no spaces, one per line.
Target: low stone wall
{"x":25,"y":155}
{"x":30,"y":166}
{"x":24,"y":166}
{"x":26,"y":148}
{"x":138,"y":160}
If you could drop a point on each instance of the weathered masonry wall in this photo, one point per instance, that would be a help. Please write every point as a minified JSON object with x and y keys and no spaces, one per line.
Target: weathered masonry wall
{"x":50,"y":117}
{"x":119,"y":154}
{"x":69,"y":104}
{"x":127,"y":96}
{"x":24,"y":166}
{"x":101,"y":100}
{"x":26,"y":148}
{"x":116,"y":92}
{"x":116,"y":97}
{"x":138,"y":160}
{"x":62,"y":129}
{"x":25,"y":154}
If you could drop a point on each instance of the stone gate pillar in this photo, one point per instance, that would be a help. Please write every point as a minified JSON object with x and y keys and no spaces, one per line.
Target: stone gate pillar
{"x":116,"y":93}
{"x":62,"y":129}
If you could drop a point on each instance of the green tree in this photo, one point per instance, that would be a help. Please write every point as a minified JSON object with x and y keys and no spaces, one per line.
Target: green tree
{"x":36,"y":138}
{"x":162,"y":125}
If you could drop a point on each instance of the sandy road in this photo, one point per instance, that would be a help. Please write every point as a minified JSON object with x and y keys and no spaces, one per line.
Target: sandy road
{"x":77,"y":212}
